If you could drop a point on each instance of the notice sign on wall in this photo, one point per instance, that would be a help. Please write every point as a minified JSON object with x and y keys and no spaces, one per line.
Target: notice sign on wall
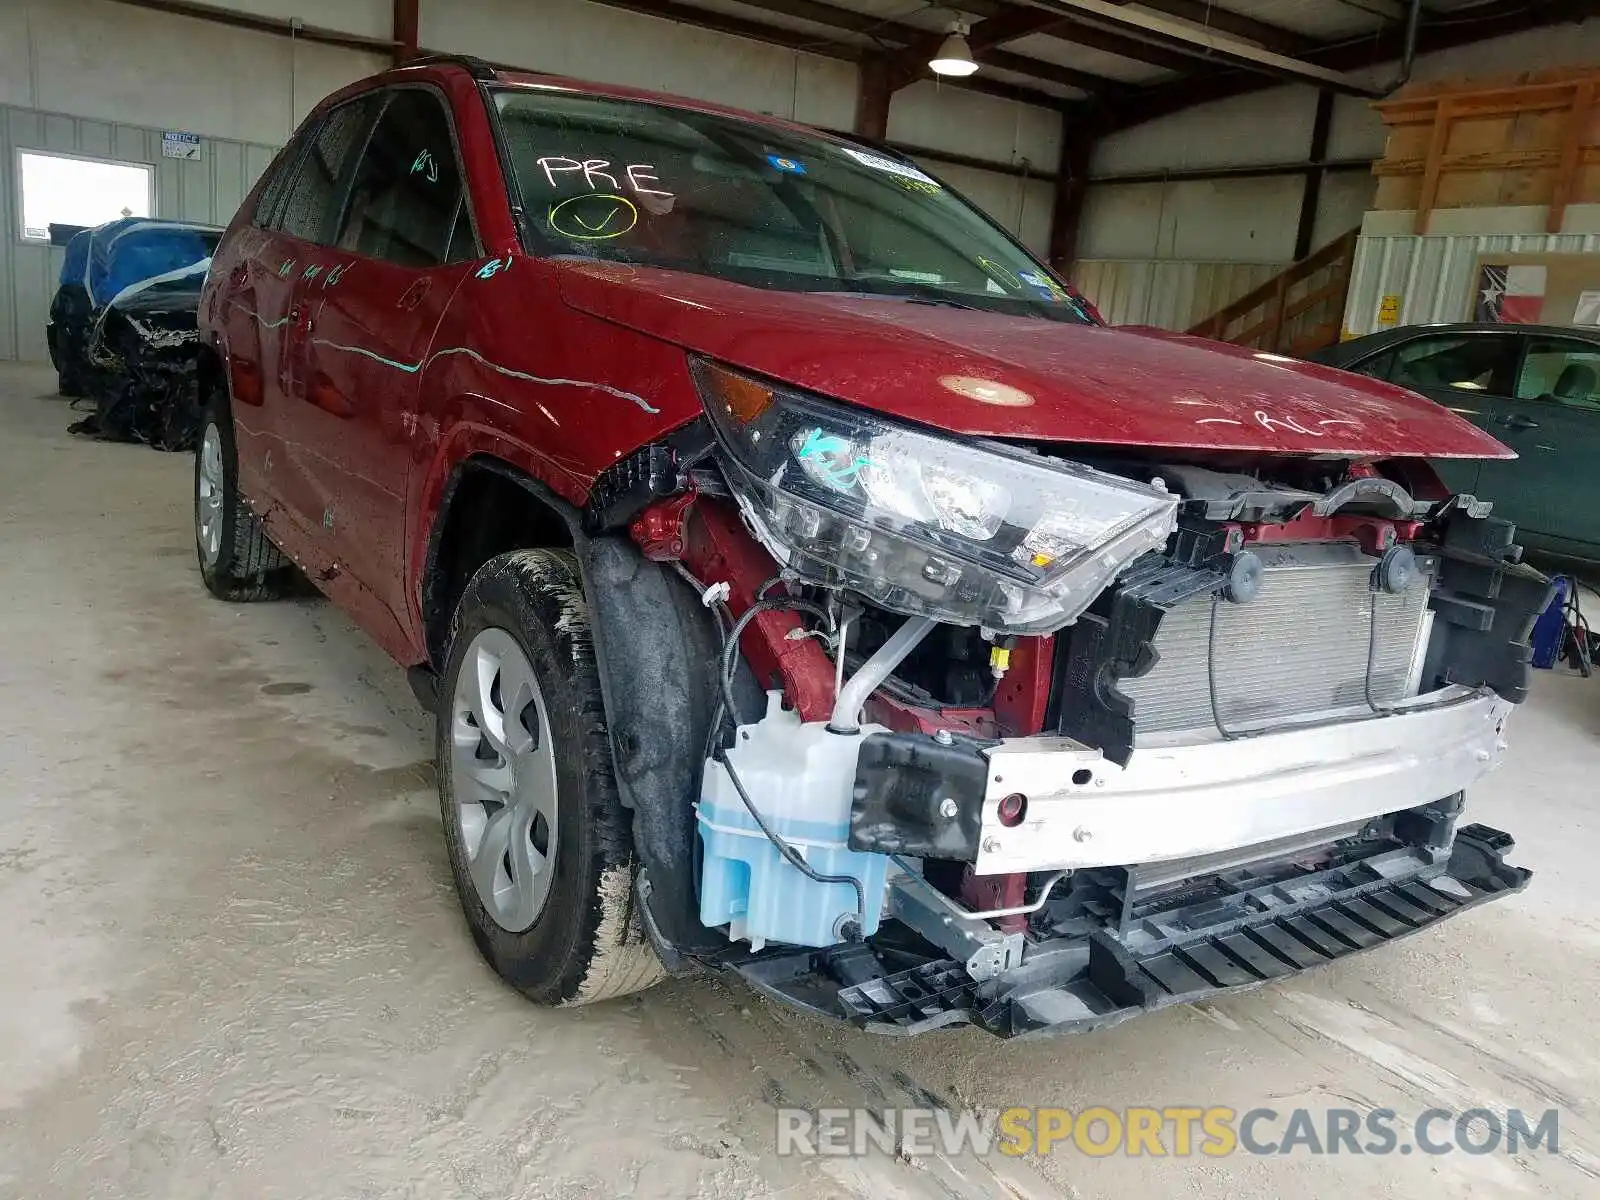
{"x":180,"y":145}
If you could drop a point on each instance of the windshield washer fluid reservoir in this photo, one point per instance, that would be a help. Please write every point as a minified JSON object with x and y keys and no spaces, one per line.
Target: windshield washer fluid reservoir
{"x":800,"y":778}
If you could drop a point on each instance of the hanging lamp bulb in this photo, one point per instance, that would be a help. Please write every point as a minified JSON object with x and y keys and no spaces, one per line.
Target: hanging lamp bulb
{"x":954,"y":56}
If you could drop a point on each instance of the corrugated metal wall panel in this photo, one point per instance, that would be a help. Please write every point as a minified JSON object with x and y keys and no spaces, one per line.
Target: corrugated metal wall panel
{"x":209,"y":190}
{"x":1432,"y":275}
{"x":1169,"y":294}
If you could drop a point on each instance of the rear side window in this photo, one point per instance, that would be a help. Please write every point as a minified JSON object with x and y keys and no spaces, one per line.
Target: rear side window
{"x":1561,"y":372}
{"x":407,"y":204}
{"x":312,"y":197}
{"x":269,"y":201}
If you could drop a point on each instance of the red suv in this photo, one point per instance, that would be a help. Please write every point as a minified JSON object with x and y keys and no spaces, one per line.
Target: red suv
{"x":809,"y":585}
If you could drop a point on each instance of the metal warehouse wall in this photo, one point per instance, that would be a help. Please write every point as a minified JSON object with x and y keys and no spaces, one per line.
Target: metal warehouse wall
{"x":1433,"y":275}
{"x":209,"y":190}
{"x":1169,"y":295}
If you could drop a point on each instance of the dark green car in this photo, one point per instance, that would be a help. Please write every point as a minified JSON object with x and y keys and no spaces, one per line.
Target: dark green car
{"x":1534,"y":387}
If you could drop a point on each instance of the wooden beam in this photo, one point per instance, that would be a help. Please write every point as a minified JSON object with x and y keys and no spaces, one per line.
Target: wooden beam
{"x":1311,"y":194}
{"x":1571,"y":155}
{"x":405,"y":24}
{"x":1434,"y":163}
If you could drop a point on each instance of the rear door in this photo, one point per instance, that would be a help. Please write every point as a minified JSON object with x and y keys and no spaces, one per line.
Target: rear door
{"x":252,"y":305}
{"x":402,"y":246}
{"x":1552,"y":420}
{"x":310,"y":213}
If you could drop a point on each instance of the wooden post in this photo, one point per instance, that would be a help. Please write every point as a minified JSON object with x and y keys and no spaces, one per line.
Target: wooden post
{"x":874,"y":90}
{"x":406,"y":26}
{"x":1078,"y":136}
{"x":1434,"y":163}
{"x":1571,"y":155}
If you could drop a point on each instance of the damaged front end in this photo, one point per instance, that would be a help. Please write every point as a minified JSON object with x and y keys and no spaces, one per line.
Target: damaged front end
{"x":1047,"y":744}
{"x":143,"y":354}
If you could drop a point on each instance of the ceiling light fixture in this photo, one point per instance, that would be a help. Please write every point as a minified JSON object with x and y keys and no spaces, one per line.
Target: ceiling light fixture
{"x":954,"y":56}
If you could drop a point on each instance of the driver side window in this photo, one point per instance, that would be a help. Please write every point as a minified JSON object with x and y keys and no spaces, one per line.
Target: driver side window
{"x":407,"y":203}
{"x":1481,"y":363}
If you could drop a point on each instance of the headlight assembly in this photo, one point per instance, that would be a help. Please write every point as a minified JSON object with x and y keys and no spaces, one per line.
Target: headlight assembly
{"x":972,"y":534}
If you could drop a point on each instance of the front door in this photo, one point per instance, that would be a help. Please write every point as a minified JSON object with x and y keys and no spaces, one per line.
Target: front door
{"x":373,"y":300}
{"x":1464,"y":371}
{"x":1552,"y":420}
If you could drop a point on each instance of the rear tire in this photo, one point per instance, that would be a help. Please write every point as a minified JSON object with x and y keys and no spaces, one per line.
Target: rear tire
{"x":238,"y":562}
{"x":527,"y":792}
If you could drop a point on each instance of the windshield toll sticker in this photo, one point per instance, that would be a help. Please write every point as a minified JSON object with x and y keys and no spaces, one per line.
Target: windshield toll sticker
{"x":787,"y":165}
{"x":1043,"y":284}
{"x":889,"y":165}
{"x":594,"y":217}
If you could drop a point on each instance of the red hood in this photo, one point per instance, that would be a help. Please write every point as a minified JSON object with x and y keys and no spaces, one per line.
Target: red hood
{"x":1056,"y":382}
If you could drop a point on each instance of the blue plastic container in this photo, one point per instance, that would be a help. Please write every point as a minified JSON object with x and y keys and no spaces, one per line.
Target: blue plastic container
{"x":1549,"y":631}
{"x":800,"y":777}
{"x":747,"y":885}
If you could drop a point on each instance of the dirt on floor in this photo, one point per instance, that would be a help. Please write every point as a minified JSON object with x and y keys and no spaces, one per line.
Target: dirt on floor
{"x":232,"y":963}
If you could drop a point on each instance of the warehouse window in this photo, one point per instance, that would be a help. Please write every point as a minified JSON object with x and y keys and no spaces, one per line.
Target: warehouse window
{"x":63,"y":189}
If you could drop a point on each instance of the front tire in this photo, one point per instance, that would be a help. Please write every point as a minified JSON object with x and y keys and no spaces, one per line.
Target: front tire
{"x":238,"y":562}
{"x":539,"y":841}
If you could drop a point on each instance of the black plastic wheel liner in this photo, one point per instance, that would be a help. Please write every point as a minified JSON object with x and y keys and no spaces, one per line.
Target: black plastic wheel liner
{"x":1100,"y":982}
{"x":657,"y":649}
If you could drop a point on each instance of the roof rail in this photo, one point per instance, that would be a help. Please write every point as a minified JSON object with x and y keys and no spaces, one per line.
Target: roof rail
{"x":477,"y":67}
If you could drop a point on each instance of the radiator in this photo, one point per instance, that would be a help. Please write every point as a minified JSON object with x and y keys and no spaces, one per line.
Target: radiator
{"x":1300,"y":648}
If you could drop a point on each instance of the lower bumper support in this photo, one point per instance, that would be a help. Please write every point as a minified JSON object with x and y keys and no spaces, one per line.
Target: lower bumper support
{"x":1075,"y":985}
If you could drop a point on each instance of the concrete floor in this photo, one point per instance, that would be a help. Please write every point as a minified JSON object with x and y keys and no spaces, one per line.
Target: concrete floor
{"x":233,"y":966}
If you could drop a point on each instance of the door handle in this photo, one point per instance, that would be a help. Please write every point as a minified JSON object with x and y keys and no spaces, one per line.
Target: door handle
{"x":1518,"y":421}
{"x":413,"y":295}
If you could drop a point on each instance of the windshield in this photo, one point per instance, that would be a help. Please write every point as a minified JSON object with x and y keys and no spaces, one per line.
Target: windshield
{"x":625,"y":181}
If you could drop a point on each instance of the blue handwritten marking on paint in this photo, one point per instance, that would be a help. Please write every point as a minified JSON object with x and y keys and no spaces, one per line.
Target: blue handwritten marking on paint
{"x":493,"y":267}
{"x":335,"y":275}
{"x":311,"y":272}
{"x":425,"y":164}
{"x":288,"y":265}
{"x":258,"y":318}
{"x":414,"y":368}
